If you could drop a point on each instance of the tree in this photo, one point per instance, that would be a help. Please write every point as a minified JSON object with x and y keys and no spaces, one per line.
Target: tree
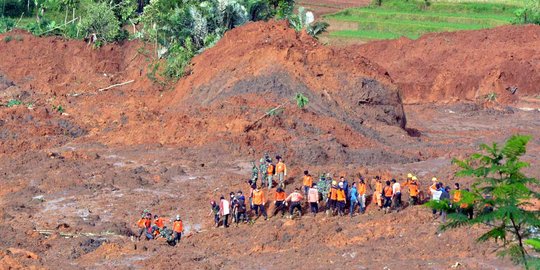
{"x":501,"y":185}
{"x":100,"y":20}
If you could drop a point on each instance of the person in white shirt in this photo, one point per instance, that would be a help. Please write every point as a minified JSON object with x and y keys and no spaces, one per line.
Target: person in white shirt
{"x":436,"y":194}
{"x":224,"y":211}
{"x":396,"y":189}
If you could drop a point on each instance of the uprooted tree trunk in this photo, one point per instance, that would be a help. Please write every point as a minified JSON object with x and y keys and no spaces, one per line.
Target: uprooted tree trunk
{"x":268,"y":113}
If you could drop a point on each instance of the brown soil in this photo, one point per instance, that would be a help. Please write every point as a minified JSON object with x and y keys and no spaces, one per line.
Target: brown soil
{"x":321,"y":7}
{"x":462,"y":66}
{"x":86,"y":174}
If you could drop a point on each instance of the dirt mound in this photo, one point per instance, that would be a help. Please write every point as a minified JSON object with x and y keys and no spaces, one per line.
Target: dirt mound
{"x":462,"y":66}
{"x":263,"y":65}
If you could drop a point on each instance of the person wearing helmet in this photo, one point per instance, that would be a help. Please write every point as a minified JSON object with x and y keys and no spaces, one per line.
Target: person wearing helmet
{"x":341,"y":198}
{"x":214,"y":209}
{"x":332,"y":198}
{"x":178,"y":228}
{"x":413,"y":190}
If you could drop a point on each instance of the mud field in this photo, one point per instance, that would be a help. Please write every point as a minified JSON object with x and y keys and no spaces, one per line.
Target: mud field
{"x":73,"y":182}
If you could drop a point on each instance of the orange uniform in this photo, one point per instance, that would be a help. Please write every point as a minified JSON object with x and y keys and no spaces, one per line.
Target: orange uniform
{"x":457,"y":196}
{"x":378,"y":187}
{"x":258,"y":197}
{"x":388,"y":191}
{"x":308,"y":180}
{"x":178,"y":226}
{"x":160,"y":223}
{"x":270,"y":169}
{"x":333,"y":193}
{"x":341,"y":197}
{"x":281,"y":167}
{"x":362,"y":189}
{"x":280,"y":196}
{"x":413,"y":188}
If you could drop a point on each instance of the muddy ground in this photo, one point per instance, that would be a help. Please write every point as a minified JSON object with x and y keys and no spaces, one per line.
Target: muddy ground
{"x":73,"y":182}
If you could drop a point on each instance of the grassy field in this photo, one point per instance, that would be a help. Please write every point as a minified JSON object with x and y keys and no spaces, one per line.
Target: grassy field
{"x":412,"y":18}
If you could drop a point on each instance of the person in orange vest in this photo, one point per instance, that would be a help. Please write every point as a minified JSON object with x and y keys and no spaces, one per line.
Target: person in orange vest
{"x":362,"y":190}
{"x":281,"y":171}
{"x":270,"y":171}
{"x":341,"y":199}
{"x":377,"y":194}
{"x":456,"y":196}
{"x":143,"y":224}
{"x":387,"y":196}
{"x":413,"y":190}
{"x":159,"y":224}
{"x":308,"y":182}
{"x":258,"y":203}
{"x":332,"y":198}
{"x":295,"y":199}
{"x":178,"y":228}
{"x":279,"y":202}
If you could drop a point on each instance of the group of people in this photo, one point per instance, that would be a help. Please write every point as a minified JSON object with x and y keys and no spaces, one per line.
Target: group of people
{"x":158,"y":229}
{"x":333,"y":196}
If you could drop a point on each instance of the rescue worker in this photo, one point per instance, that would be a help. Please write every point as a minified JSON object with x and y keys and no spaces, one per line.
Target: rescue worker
{"x":254,"y":172}
{"x":263,"y":168}
{"x":270,"y":171}
{"x":279,"y":202}
{"x":295,"y":200}
{"x":241,"y":209}
{"x":214,"y":209}
{"x":436,"y":194}
{"x":387,"y":196}
{"x":143,"y":224}
{"x":224,"y":211}
{"x":468,"y":209}
{"x":307,"y":181}
{"x":178,"y":228}
{"x":313,"y":199}
{"x":377,"y":194}
{"x":281,"y":171}
{"x":396,"y":194}
{"x":159,"y":224}
{"x":353,"y":198}
{"x":456,"y":197}
{"x":258,"y":203}
{"x":341,"y":199}
{"x":332,"y":198}
{"x":433,"y":186}
{"x":324,"y":188}
{"x":362,"y":190}
{"x":413,"y":190}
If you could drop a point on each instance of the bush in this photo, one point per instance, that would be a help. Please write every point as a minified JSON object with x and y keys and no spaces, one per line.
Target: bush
{"x":16,"y":8}
{"x":529,"y":14}
{"x":99,"y":19}
{"x":6,"y":24}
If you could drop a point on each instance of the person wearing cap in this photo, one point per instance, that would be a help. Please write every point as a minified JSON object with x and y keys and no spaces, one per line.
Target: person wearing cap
{"x":433,"y":186}
{"x":279,"y":202}
{"x":281,"y":171}
{"x":258,"y":203}
{"x":307,"y":182}
{"x":413,"y":190}
{"x":224,"y":211}
{"x":341,"y":199}
{"x":362,"y":190}
{"x":353,"y":198}
{"x":313,"y":199}
{"x":178,"y":228}
{"x":295,"y":199}
{"x":214,"y":209}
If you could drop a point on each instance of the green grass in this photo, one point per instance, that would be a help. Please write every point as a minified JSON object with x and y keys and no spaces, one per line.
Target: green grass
{"x":396,"y":18}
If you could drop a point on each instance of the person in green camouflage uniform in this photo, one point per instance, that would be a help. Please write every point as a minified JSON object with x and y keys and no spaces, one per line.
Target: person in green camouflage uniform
{"x":254,"y":173}
{"x":325,"y":181}
{"x":262,"y":169}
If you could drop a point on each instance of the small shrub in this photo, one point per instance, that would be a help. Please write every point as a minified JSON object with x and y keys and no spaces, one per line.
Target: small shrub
{"x":8,"y":39}
{"x":100,"y":20}
{"x":491,"y":97}
{"x":6,"y":24}
{"x":13,"y":102}
{"x":530,"y":13}
{"x":301,"y":100}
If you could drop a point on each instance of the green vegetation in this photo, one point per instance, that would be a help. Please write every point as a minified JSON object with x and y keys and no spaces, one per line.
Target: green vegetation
{"x":301,"y":100}
{"x":530,"y":13}
{"x":13,"y":102}
{"x":502,"y":195}
{"x":413,"y":18}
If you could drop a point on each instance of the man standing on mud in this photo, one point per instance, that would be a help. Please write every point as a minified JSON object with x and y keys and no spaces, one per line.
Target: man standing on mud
{"x":281,"y":171}
{"x":263,"y":169}
{"x":224,"y":211}
{"x":178,"y":228}
{"x":270,"y":170}
{"x":258,"y":203}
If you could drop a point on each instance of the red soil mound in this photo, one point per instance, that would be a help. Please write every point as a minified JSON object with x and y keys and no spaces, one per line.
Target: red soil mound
{"x":462,"y":66}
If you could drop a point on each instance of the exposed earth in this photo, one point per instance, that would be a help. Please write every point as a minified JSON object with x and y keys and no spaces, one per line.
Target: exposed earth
{"x":75,"y":179}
